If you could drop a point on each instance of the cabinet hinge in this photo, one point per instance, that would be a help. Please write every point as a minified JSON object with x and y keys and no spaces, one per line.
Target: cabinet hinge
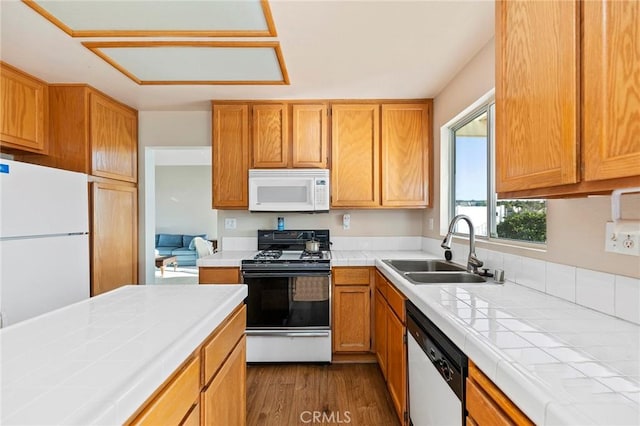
{"x":405,"y":415}
{"x":404,"y":338}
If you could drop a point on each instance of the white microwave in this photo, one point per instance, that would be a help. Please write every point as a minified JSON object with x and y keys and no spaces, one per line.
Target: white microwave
{"x":289,"y":190}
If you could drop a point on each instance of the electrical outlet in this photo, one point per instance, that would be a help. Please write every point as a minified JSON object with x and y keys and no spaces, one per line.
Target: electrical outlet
{"x":346,"y":221}
{"x":230,"y":223}
{"x":622,"y":241}
{"x":430,"y":224}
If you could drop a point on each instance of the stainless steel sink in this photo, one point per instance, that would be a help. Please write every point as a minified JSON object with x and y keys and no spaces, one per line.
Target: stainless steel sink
{"x":422,"y":265}
{"x":443,"y":277}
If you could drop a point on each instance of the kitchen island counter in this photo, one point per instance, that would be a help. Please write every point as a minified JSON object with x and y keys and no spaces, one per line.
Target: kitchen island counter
{"x":98,"y":360}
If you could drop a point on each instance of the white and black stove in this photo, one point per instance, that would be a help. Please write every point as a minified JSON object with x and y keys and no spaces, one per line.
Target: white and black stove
{"x":289,"y":298}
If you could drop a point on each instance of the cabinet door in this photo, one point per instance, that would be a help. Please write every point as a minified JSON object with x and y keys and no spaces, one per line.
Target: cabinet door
{"x":270,"y":136}
{"x":114,"y":139}
{"x":225,"y":399}
{"x":218,"y":275}
{"x":537,"y":94}
{"x":355,"y":146}
{"x":309,"y":139}
{"x":23,"y":111}
{"x":396,"y":363}
{"x":176,"y":401}
{"x":230,"y":156}
{"x":352,"y":319}
{"x":380,"y":312}
{"x":405,"y":149}
{"x":114,"y":236}
{"x":611,"y":65}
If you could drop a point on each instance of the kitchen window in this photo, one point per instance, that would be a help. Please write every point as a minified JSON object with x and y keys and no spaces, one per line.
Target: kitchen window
{"x":471,"y":181}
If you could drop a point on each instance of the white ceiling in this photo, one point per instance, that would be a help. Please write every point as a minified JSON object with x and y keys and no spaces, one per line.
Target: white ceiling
{"x":343,"y":49}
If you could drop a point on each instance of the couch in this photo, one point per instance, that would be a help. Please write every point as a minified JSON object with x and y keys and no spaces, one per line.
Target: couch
{"x":179,"y":245}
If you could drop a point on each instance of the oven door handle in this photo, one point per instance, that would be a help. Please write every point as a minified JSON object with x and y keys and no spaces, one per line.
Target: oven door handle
{"x":247,"y":274}
{"x":287,"y":333}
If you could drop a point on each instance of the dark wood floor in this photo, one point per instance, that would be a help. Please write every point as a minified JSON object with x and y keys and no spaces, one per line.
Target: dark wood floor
{"x":310,"y":394}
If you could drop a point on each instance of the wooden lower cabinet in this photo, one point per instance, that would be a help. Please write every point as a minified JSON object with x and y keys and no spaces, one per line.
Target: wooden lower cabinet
{"x":212,"y":275}
{"x":224,"y":400}
{"x":487,"y":405}
{"x":351,"y":313}
{"x":380,"y":333}
{"x":351,"y":310}
{"x":210,"y":387}
{"x":391,"y":345}
{"x":176,"y":399}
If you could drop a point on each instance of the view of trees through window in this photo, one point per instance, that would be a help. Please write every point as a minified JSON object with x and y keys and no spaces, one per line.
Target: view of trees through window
{"x":473,"y":192}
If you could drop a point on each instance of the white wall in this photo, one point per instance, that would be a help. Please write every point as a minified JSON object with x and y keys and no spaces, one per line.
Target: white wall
{"x":161,"y":129}
{"x":183,"y":201}
{"x":575,"y":227}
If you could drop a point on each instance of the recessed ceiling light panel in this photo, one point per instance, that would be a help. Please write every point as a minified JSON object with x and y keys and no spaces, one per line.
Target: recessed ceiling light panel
{"x":155,"y":63}
{"x":221,"y":18}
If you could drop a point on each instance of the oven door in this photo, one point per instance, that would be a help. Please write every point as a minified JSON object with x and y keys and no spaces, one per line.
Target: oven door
{"x":288,"y":300}
{"x":288,"y":316}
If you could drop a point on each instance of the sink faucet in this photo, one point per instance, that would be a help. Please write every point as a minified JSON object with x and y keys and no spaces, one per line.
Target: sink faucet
{"x":473,"y":263}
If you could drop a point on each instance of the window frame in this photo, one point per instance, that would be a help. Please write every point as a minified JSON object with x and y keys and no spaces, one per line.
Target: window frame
{"x":447,"y":174}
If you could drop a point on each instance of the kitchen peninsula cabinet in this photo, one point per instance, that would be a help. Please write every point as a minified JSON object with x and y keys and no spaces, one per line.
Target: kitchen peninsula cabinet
{"x":351,"y":309}
{"x":230,"y":156}
{"x":390,"y":338}
{"x":566,"y":124}
{"x":487,"y":405}
{"x":23,"y":112}
{"x":380,"y":155}
{"x":210,"y":387}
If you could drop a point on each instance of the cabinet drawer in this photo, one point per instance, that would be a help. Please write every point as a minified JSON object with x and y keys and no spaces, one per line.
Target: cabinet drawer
{"x":351,"y":276}
{"x":219,"y":275}
{"x":175,"y":400}
{"x":482,"y":408}
{"x":222,"y":342}
{"x":487,"y":404}
{"x":396,"y":301}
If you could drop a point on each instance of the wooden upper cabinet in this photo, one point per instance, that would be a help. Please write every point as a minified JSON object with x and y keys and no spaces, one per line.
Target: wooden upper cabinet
{"x":309,"y":136}
{"x":537,"y":97}
{"x":566,"y":124}
{"x":230,"y":156}
{"x":611,"y":89}
{"x":405,"y":149}
{"x":270,"y":136}
{"x":114,"y":139}
{"x":23,"y":111}
{"x":90,"y":133}
{"x":355,"y":150}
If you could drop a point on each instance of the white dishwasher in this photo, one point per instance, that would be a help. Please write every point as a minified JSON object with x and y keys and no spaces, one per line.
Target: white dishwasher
{"x":437,"y":373}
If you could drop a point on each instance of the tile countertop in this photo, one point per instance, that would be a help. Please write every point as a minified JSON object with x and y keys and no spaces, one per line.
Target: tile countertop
{"x":561,"y":363}
{"x":98,"y":360}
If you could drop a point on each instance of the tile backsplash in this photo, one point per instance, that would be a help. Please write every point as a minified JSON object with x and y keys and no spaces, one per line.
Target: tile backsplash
{"x":615,"y":295}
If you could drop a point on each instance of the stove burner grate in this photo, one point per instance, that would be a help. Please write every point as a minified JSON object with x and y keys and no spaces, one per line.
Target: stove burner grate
{"x":268,"y":254}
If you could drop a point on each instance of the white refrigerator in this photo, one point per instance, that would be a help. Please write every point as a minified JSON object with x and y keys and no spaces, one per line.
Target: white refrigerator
{"x":44,"y":240}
